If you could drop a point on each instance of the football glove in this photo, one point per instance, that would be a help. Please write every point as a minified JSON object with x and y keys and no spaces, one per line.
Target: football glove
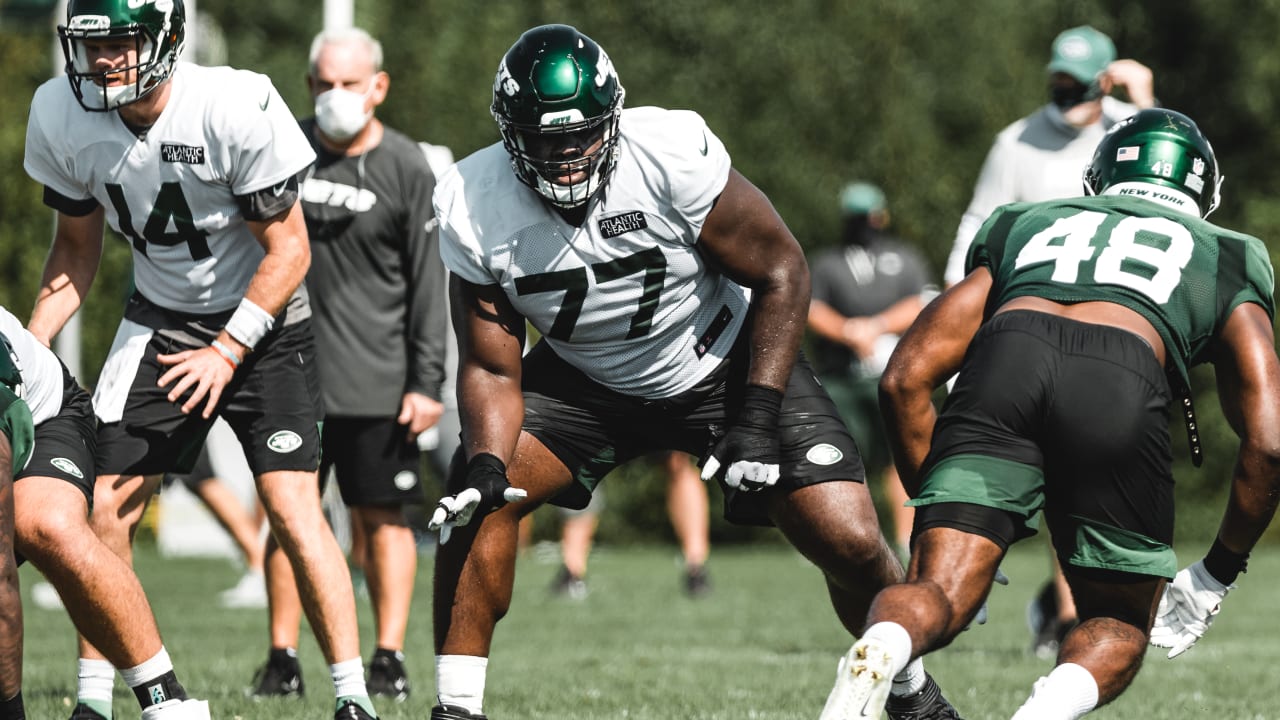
{"x":749,"y":450}
{"x":1187,"y":608}
{"x":487,"y":490}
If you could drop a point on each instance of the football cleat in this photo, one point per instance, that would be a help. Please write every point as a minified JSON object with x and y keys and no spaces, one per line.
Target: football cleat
{"x":453,"y":712}
{"x":249,"y":592}
{"x":925,"y":704}
{"x":863,"y":680}
{"x":697,"y":582}
{"x":175,"y":709}
{"x":386,"y":676}
{"x":84,"y":712}
{"x":281,"y":676}
{"x":352,"y":710}
{"x":568,"y":585}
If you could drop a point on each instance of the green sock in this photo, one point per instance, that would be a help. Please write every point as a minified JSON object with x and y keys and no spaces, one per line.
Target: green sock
{"x":362,"y":700}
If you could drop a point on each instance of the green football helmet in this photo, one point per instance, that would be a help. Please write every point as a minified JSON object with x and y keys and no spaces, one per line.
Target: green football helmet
{"x":558,"y":104}
{"x":1156,"y":147}
{"x":156,"y":30}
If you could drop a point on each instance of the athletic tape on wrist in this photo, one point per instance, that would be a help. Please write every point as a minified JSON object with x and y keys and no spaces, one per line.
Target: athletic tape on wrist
{"x":249,"y":323}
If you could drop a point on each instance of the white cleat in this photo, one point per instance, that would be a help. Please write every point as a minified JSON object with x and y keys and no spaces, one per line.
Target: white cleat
{"x":249,"y":592}
{"x":863,"y":681}
{"x":188,"y":709}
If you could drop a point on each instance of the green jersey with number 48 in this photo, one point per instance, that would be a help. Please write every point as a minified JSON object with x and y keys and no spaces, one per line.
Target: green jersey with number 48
{"x":1183,"y":274}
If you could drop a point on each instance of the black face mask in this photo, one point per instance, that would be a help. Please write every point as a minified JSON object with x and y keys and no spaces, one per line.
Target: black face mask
{"x":1069,"y":96}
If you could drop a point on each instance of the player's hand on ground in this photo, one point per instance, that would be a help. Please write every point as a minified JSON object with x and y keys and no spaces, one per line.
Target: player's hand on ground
{"x":203,"y":373}
{"x":1187,"y":608}
{"x":487,"y":489}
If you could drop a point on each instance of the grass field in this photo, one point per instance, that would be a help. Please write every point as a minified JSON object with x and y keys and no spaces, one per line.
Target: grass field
{"x":762,"y":645}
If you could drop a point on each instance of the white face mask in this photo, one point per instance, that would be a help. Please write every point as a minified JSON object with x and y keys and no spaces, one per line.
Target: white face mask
{"x":341,"y":114}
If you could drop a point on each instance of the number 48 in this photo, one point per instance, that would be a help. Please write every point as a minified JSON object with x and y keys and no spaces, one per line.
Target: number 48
{"x":1074,"y":247}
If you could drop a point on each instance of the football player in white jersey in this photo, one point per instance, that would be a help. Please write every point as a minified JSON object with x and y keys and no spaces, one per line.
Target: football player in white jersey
{"x":671,"y":300}
{"x":196,"y":168}
{"x":52,"y":493}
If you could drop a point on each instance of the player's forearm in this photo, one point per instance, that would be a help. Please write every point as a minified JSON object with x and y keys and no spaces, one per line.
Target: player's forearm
{"x":68,"y":275}
{"x":491,"y":410}
{"x":909,"y":418}
{"x":779,"y":311}
{"x":1255,"y":494}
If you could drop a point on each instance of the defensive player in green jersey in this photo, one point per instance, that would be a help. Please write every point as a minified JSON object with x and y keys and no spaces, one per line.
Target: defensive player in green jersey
{"x":16,"y":434}
{"x":1072,"y":333}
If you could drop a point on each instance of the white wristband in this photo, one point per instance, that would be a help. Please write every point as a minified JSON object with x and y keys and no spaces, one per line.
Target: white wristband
{"x":249,"y":323}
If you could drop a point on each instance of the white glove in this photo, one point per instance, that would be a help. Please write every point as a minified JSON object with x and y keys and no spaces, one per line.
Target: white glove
{"x":749,"y":452}
{"x":744,"y":475}
{"x":1187,"y":608}
{"x":487,"y":489}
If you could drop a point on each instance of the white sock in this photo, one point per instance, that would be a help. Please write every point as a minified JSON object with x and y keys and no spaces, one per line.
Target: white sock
{"x":896,"y":641}
{"x":910,"y":680}
{"x":348,"y":678}
{"x":460,"y":681}
{"x":94,"y":681}
{"x":151,"y":669}
{"x":1066,"y":694}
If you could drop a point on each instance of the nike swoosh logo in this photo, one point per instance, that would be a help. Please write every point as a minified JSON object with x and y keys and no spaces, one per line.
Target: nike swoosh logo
{"x":278,"y":189}
{"x":265,"y":102}
{"x":704,"y":145}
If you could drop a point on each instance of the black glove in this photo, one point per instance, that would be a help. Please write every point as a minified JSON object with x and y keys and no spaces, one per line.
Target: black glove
{"x":487,"y":490}
{"x":749,"y":450}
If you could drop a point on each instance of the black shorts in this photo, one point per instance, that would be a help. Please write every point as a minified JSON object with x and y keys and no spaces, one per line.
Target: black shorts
{"x":593,"y":429}
{"x":202,"y":470}
{"x":272,"y":403}
{"x":372,"y":460}
{"x":1069,"y":416}
{"x":64,"y":447}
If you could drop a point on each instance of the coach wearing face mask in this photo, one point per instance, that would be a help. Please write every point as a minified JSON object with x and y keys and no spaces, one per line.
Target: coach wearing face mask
{"x":1043,"y":155}
{"x":378,"y":296}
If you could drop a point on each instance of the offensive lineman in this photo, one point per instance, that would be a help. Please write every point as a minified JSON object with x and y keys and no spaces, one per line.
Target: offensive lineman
{"x":671,"y":300}
{"x":1073,"y":331}
{"x":195,"y":167}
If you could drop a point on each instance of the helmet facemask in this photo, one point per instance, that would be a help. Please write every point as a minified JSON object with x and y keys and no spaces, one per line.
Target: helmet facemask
{"x":566,"y":159}
{"x":558,"y":104}
{"x":156,"y":52}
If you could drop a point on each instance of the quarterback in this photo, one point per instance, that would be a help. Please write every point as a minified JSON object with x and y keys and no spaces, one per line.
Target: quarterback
{"x":671,"y":300}
{"x":1073,"y":332}
{"x":196,"y":168}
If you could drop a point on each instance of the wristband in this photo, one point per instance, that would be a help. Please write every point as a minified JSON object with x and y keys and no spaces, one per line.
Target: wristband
{"x":486,"y":462}
{"x":249,"y":323}
{"x":1224,"y":564}
{"x":760,"y":408}
{"x":227,"y":354}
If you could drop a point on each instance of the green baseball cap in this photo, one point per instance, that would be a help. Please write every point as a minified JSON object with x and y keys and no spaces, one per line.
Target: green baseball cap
{"x":861,"y":198}
{"x":1083,"y":53}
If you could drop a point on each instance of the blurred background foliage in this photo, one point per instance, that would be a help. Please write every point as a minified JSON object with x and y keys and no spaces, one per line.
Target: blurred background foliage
{"x":807,"y":95}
